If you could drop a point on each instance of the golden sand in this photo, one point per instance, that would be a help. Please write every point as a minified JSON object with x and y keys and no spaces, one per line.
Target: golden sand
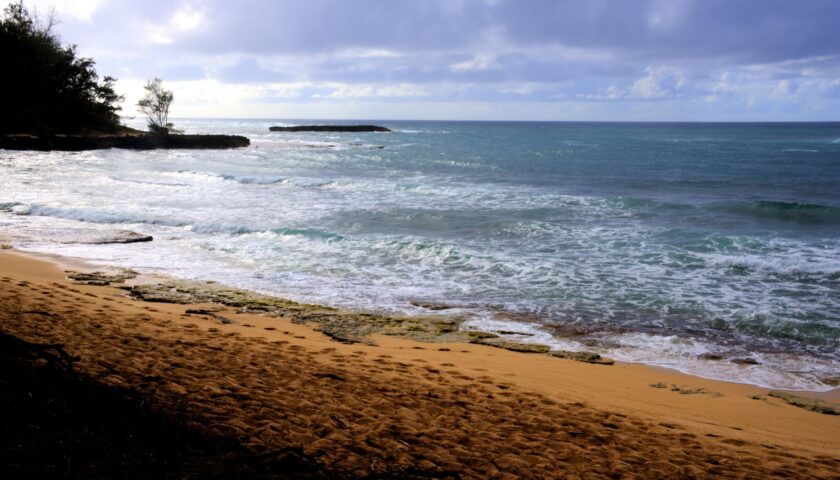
{"x":402,"y":406}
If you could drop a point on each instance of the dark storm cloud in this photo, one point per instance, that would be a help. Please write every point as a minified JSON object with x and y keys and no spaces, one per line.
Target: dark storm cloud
{"x":745,"y":30}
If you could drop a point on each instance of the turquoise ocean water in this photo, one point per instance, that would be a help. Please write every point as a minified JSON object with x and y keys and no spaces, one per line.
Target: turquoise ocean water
{"x":646,"y":242}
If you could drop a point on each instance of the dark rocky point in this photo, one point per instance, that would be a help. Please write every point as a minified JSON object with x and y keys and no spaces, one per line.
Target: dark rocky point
{"x":745,"y":361}
{"x":123,"y":236}
{"x":331,"y":128}
{"x":831,"y":381}
{"x":75,"y":143}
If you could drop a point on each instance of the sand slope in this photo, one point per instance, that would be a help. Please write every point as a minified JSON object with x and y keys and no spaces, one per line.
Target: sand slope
{"x":404,"y":408}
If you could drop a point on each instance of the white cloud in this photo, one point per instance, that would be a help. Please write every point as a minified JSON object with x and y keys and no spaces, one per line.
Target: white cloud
{"x":212,"y":98}
{"x":186,"y":19}
{"x":724,"y":86}
{"x":659,"y":82}
{"x":613,"y":92}
{"x":81,"y":10}
{"x":367,"y":53}
{"x":558,"y":53}
{"x":366,"y":90}
{"x":479,"y":62}
{"x":209,"y":97}
{"x":667,"y":15}
{"x":353,"y":91}
{"x":830,"y":88}
{"x":528,"y":88}
{"x":492,"y":42}
{"x":784,"y":90}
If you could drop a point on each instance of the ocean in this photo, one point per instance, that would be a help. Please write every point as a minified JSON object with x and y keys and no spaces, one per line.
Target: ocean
{"x":662,"y":243}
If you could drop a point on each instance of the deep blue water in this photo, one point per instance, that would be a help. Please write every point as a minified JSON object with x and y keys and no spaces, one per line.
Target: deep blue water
{"x":653,"y":242}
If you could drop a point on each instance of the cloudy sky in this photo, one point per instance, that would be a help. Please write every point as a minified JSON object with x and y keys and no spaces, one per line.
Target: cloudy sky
{"x":469,"y":59}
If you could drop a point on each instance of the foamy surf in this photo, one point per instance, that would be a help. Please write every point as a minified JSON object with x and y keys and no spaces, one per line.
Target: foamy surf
{"x":652,"y":250}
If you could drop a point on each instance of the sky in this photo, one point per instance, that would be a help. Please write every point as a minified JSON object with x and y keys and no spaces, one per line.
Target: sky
{"x":593,"y":60}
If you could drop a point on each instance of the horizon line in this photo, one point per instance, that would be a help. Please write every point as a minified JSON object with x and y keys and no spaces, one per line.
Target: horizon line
{"x":491,"y":121}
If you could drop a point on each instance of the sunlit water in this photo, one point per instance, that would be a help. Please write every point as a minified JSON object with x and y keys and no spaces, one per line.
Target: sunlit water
{"x":644,"y":242}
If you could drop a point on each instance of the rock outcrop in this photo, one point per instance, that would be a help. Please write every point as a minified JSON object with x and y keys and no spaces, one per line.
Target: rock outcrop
{"x":75,"y":143}
{"x":331,"y":128}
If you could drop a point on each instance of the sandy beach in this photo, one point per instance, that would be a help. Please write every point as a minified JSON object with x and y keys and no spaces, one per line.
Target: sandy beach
{"x":395,"y":407}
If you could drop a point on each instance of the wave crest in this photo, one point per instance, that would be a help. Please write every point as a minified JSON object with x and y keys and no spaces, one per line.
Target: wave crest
{"x":799,"y":212}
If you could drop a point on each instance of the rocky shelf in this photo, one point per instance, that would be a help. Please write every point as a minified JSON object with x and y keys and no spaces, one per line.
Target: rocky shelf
{"x":132,"y":142}
{"x":331,"y":128}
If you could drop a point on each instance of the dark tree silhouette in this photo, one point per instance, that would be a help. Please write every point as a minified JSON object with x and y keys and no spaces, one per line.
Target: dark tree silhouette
{"x":45,"y":87}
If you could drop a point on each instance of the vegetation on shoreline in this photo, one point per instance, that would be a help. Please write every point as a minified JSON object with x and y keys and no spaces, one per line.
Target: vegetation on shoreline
{"x":50,"y":89}
{"x":52,"y":99}
{"x":155,"y":105}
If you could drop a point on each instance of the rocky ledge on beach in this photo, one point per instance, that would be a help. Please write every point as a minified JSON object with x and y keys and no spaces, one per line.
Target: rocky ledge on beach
{"x":82,"y":236}
{"x":340,"y":325}
{"x":331,"y":128}
{"x":132,"y":142}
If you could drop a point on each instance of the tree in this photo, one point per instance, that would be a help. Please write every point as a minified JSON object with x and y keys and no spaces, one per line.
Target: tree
{"x":155,"y":105}
{"x":45,"y":87}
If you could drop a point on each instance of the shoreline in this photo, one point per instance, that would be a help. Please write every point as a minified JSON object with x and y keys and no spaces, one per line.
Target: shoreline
{"x":439,"y":323}
{"x":718,"y":418}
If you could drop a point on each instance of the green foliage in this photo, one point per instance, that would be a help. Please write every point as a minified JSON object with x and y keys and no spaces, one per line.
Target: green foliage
{"x":155,"y":105}
{"x":45,"y":87}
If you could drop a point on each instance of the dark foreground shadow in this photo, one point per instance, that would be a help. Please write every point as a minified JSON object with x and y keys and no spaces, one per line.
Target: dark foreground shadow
{"x":57,"y":424}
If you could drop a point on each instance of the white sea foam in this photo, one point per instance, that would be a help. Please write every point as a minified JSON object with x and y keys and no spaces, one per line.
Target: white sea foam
{"x":430,"y":218}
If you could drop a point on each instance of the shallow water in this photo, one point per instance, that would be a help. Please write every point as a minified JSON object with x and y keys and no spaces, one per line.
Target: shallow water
{"x":645,"y":242}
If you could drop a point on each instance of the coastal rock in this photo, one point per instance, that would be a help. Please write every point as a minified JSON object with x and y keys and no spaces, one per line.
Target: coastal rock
{"x":585,"y":357}
{"x":511,"y":332}
{"x":685,"y":390}
{"x":446,"y":326}
{"x":161,"y":294}
{"x":340,"y":325}
{"x":431,"y":305}
{"x":372,"y":147}
{"x":514,"y":346}
{"x":710,"y":356}
{"x":331,"y":128}
{"x":102,"y":278}
{"x":809,"y":404}
{"x":210,"y":313}
{"x":831,"y":381}
{"x":79,"y":235}
{"x":121,"y":236}
{"x":745,"y":361}
{"x":478,"y":335}
{"x":75,"y":143}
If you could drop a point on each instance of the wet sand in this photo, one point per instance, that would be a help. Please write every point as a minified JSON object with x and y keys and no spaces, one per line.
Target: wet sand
{"x":402,"y":408}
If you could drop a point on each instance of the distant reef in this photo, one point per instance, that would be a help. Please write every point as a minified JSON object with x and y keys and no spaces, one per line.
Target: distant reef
{"x":75,"y":143}
{"x":331,"y":128}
